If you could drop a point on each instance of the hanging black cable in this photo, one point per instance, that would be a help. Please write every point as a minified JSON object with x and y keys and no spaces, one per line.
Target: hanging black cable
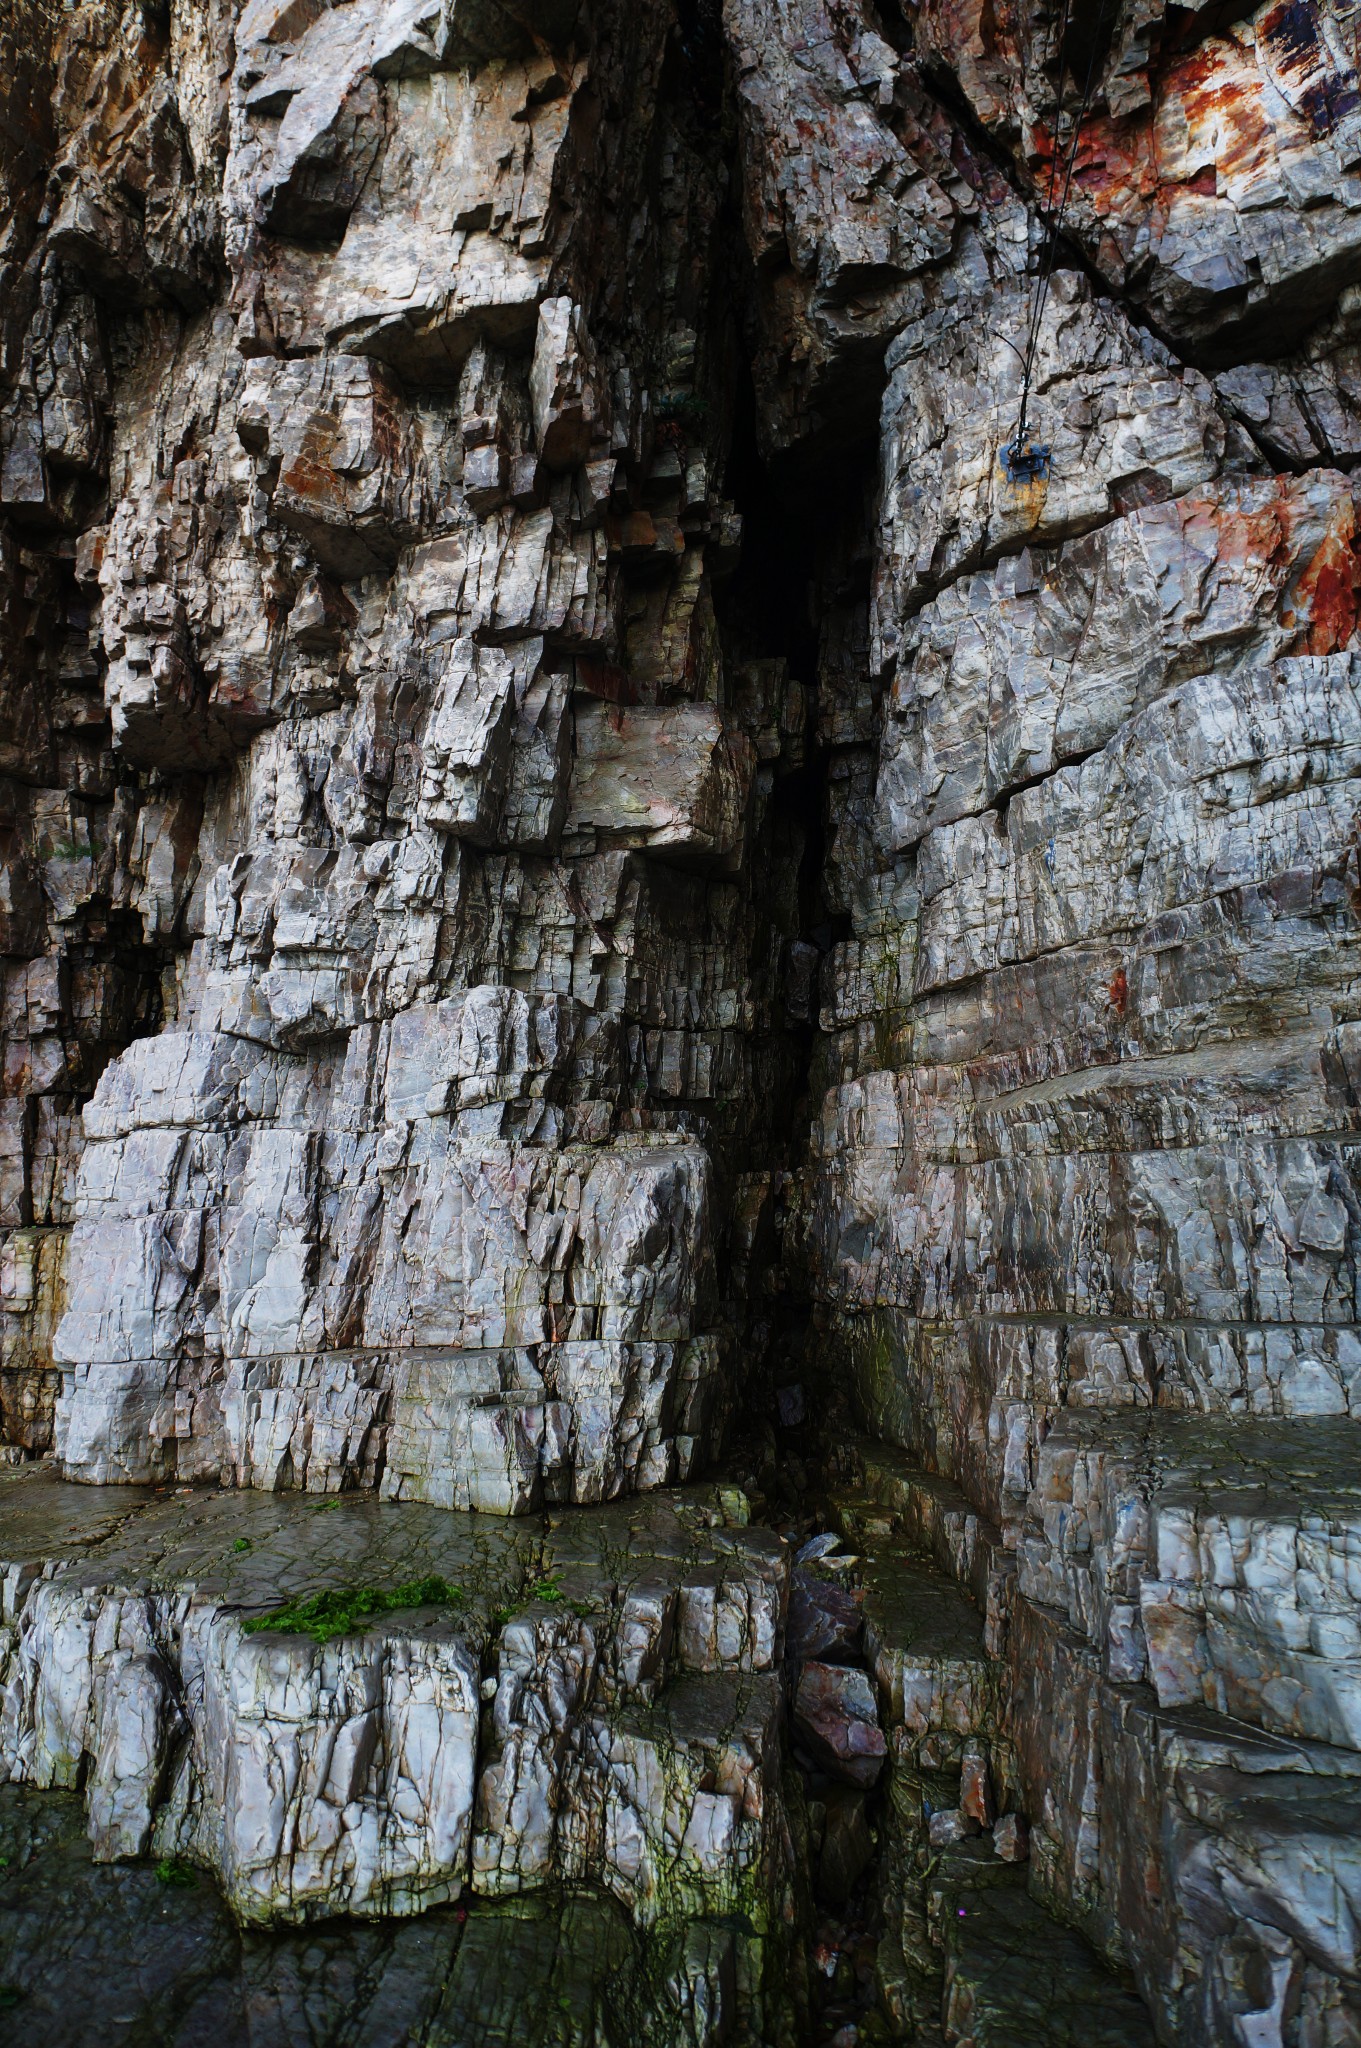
{"x":1055,"y":157}
{"x":1021,"y":461}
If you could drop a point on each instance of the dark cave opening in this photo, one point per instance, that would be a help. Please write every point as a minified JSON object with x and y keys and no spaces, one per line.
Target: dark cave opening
{"x":803,"y":553}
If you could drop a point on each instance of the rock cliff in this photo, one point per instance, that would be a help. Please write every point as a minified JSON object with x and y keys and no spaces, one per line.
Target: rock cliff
{"x":679,"y":1246}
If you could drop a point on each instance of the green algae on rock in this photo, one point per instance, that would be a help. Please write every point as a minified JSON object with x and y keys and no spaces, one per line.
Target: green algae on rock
{"x":340,"y":1610}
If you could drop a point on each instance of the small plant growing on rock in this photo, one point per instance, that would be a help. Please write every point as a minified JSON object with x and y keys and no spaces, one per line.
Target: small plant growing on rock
{"x":175,"y":1873}
{"x":342,"y":1609}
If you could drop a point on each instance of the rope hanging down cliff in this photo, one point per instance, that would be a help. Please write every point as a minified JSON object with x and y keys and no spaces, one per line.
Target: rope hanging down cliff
{"x":1022,"y":460}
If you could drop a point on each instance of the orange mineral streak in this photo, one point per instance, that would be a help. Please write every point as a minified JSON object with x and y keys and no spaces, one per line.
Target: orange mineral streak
{"x":1227,"y":120}
{"x":309,"y":474}
{"x":1326,"y":593}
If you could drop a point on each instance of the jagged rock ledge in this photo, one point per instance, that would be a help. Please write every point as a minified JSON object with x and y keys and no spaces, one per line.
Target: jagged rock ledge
{"x":591,"y":1703}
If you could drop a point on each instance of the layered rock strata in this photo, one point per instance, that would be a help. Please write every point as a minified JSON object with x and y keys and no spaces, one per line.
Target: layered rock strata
{"x":627,"y":1665}
{"x":442,"y":806}
{"x":593,"y":883}
{"x":1081,"y":1206}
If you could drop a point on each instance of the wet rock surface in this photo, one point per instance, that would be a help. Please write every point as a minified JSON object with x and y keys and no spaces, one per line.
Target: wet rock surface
{"x":159,"y":1957}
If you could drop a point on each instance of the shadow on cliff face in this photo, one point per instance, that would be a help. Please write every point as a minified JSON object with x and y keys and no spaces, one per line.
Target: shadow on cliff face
{"x":160,"y":1960}
{"x":804,"y":574}
{"x":804,"y":561}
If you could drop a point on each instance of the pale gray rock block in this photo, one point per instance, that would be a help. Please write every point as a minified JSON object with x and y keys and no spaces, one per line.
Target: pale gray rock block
{"x":267,"y":1246}
{"x":667,"y":1784}
{"x":1009,"y":673}
{"x":1271,"y":955}
{"x":211,"y":1271}
{"x":131,"y":1294}
{"x":1110,"y":404}
{"x":729,"y":1622}
{"x":195,"y":655}
{"x":926,"y":1646}
{"x":351,"y":475}
{"x":535,"y":806}
{"x":473,"y":1240}
{"x":1230,"y":1843}
{"x":544,"y":1673}
{"x":419,"y":274}
{"x":317,"y":1778}
{"x":302,"y":921}
{"x":163,"y":865}
{"x":975,"y":1398}
{"x":513,"y":574}
{"x":1227,"y":1234}
{"x":318,"y":1422}
{"x":468,"y":1431}
{"x":89,"y":1678}
{"x":1290,"y":1084}
{"x":339,"y":1775}
{"x":1250,"y":744}
{"x":301,"y":152}
{"x":155,"y":691}
{"x":1282,"y":1856}
{"x":467,"y":743}
{"x":676,"y":781}
{"x":343,"y":1778}
{"x":1218,"y":1564}
{"x":840,"y":207}
{"x":683,"y":1804}
{"x":566,"y":391}
{"x":640,"y":1655}
{"x":297,"y":1004}
{"x":475,"y":1046}
{"x":139,"y":1420}
{"x":627,"y":1416}
{"x":1304,"y":410}
{"x":1281,"y":1371}
{"x":1011,"y":1838}
{"x":139,"y":1721}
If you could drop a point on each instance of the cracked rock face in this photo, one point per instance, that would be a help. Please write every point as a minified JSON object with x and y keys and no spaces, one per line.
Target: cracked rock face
{"x":676,"y":1037}
{"x":597,"y":1707}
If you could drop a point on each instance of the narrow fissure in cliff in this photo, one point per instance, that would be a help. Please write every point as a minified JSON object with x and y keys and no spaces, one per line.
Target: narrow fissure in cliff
{"x":801,"y":596}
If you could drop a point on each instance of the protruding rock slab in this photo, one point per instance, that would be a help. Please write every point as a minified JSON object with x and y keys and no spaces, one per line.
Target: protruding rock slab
{"x":1215,"y":1558}
{"x":593,"y":1701}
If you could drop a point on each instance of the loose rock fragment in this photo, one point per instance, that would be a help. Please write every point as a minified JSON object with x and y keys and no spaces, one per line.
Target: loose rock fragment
{"x":837,"y":1721}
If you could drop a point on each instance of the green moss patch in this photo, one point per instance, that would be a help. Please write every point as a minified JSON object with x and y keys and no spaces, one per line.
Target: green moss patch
{"x":342,"y":1609}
